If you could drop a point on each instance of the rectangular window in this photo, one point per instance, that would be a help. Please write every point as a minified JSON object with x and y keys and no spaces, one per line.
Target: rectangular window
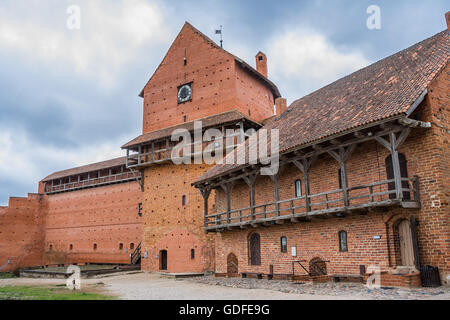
{"x":298,"y":188}
{"x":343,"y":241}
{"x":140,"y":209}
{"x":283,"y":244}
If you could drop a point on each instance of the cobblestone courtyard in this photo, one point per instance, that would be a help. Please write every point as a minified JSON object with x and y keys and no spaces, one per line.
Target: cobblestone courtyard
{"x":145,"y":286}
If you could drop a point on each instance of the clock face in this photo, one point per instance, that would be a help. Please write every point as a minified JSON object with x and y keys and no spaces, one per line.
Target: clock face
{"x":185,"y":93}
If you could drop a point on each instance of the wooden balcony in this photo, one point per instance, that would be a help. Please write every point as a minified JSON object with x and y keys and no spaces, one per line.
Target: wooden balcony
{"x":161,"y":151}
{"x":92,"y":182}
{"x":336,"y":203}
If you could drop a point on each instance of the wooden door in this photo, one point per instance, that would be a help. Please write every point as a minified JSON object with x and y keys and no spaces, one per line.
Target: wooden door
{"x":255,"y":249}
{"x":406,"y":243}
{"x":232,"y":264}
{"x":163,"y":260}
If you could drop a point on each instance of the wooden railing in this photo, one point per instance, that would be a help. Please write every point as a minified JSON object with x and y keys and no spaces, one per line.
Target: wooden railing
{"x":92,"y":182}
{"x":152,"y":154}
{"x":135,"y":257}
{"x":321,"y":204}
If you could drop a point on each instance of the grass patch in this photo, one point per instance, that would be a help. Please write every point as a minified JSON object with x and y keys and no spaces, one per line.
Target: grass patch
{"x":7,"y":275}
{"x":48,"y":293}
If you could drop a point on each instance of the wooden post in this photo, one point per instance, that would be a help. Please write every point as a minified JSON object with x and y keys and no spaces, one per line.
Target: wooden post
{"x":227,"y":188}
{"x":276,"y":193}
{"x":304,"y":167}
{"x":416,"y":189}
{"x":341,"y":158}
{"x":128,"y":156}
{"x":206,"y":191}
{"x":396,"y":166}
{"x":167,"y":149}
{"x":139,"y":156}
{"x":250,"y":180}
{"x":393,"y":146}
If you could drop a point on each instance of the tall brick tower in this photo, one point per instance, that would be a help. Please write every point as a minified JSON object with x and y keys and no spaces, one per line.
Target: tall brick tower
{"x":197,"y":80}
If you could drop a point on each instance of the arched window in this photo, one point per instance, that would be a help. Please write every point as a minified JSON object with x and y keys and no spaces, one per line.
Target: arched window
{"x":283,"y":244}
{"x":71,"y":247}
{"x":403,"y":174}
{"x":50,"y":247}
{"x":192,"y":254}
{"x":254,"y":243}
{"x":95,"y":246}
{"x":120,"y":246}
{"x":298,"y":188}
{"x":343,"y":247}
{"x":132,"y":246}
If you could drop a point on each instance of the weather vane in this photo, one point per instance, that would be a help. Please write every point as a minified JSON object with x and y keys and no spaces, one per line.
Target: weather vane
{"x":219,"y":31}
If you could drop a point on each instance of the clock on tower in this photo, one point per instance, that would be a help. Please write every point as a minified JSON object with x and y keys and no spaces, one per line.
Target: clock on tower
{"x":185,"y":93}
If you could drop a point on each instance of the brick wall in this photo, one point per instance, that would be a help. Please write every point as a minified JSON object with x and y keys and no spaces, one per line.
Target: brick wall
{"x":106,"y":216}
{"x":169,"y":225}
{"x":21,"y":233}
{"x":427,"y":154}
{"x":218,"y":83}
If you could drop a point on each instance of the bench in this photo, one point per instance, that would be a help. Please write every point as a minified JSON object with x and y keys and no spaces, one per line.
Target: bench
{"x":346,"y":278}
{"x":256,"y":274}
{"x":280,"y":276}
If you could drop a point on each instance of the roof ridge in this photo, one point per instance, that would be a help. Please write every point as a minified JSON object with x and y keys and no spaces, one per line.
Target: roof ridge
{"x":372,"y":65}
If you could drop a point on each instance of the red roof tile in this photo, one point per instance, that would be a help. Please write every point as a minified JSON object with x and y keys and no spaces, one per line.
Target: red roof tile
{"x":87,"y":168}
{"x":210,"y":121}
{"x":383,"y":90}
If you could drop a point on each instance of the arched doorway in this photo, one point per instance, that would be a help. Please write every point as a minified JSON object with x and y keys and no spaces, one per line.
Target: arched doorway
{"x":317,"y":267}
{"x":254,"y":243}
{"x":232,"y":264}
{"x":163,"y":260}
{"x":406,"y":243}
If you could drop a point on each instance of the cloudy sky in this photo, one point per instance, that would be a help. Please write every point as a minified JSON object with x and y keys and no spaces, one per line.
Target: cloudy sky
{"x":70,"y":97}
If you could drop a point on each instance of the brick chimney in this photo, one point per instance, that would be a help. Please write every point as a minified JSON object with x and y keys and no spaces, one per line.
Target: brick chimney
{"x":281,"y":106}
{"x":261,"y":63}
{"x":447,"y":18}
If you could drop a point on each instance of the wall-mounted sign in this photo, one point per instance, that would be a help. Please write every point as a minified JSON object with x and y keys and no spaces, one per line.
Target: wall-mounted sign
{"x":294,"y":251}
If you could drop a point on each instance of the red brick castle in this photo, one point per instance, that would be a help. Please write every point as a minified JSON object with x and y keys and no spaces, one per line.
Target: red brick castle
{"x":363,"y":179}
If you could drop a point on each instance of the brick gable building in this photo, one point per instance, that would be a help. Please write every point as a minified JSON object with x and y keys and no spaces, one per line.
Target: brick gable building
{"x":363,"y":178}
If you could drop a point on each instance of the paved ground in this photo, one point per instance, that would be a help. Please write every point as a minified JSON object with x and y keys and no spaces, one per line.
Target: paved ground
{"x":144,"y":286}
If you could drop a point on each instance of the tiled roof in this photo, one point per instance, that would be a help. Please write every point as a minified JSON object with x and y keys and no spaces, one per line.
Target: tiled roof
{"x":88,"y":168}
{"x":210,"y":121}
{"x":381,"y":91}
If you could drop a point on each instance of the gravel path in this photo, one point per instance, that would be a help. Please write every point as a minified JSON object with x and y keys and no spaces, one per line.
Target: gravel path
{"x":330,"y":289}
{"x":145,"y":286}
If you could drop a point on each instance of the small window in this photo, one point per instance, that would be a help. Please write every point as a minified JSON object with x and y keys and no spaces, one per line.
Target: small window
{"x":132,"y":246}
{"x":260,"y":58}
{"x":71,"y":247}
{"x":283,"y":244}
{"x":185,"y":118}
{"x":192,"y":254}
{"x":183,"y":201}
{"x":50,"y":247}
{"x":95,"y":246}
{"x":343,"y":241}
{"x":140,"y":209}
{"x":298,"y":188}
{"x":120,"y":246}
{"x":340,"y":178}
